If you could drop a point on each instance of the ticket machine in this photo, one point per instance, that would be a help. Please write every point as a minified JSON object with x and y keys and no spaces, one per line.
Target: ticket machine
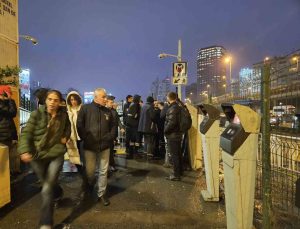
{"x":239,"y":143}
{"x":210,"y":135}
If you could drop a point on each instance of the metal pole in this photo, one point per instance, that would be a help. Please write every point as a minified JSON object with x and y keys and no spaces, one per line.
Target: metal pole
{"x":230,"y":87}
{"x":179,"y":59}
{"x":266,"y":155}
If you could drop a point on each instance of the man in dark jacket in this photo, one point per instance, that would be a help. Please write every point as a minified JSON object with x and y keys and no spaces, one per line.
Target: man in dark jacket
{"x":109,"y":105}
{"x":129,"y":99}
{"x":173,"y":135}
{"x":148,"y":126}
{"x":133,"y":117}
{"x":96,"y":127}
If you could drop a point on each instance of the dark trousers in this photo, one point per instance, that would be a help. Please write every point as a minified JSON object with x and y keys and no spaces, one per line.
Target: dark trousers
{"x":47,"y":172}
{"x":151,"y":143}
{"x":111,"y":156}
{"x":174,"y":148}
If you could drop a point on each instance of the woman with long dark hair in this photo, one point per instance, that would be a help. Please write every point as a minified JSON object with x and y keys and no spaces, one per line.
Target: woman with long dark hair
{"x":43,"y":144}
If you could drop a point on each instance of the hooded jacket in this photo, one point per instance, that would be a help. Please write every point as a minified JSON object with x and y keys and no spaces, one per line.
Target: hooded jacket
{"x":8,"y":111}
{"x":72,"y":149}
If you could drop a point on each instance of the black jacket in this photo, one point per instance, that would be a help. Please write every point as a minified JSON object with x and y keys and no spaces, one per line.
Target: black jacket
{"x":133,"y":115}
{"x":147,"y":122}
{"x":125,"y":112}
{"x":8,"y":110}
{"x":172,"y":128}
{"x":96,"y":127}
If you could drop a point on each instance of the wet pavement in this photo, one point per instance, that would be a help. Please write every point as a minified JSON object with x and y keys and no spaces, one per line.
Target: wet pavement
{"x":140,"y":197}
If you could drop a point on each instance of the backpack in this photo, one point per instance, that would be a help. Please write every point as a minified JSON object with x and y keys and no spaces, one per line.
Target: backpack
{"x":185,"y":118}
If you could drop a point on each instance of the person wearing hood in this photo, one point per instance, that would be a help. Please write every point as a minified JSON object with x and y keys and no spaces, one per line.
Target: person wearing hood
{"x":148,"y":125}
{"x":133,"y":118}
{"x":74,"y":103}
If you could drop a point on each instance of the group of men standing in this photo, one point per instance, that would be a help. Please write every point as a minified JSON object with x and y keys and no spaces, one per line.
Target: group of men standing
{"x":154,"y":121}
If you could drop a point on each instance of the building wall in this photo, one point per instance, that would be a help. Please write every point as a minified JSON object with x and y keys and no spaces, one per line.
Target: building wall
{"x":210,"y":70}
{"x":9,"y":41}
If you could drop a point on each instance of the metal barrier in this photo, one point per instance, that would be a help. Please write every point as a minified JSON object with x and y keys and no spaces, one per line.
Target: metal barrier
{"x":24,"y":116}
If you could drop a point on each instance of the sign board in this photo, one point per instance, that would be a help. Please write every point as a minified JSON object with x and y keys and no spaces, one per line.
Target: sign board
{"x":9,"y":19}
{"x":179,"y":73}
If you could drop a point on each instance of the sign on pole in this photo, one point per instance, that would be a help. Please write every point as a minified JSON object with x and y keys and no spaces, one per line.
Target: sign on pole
{"x":179,"y":73}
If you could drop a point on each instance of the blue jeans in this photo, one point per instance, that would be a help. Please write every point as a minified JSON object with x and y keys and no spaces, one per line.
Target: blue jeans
{"x":48,"y":172}
{"x":91,"y":160}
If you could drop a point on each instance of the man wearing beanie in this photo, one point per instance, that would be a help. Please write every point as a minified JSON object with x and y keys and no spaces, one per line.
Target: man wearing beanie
{"x":147,"y":125}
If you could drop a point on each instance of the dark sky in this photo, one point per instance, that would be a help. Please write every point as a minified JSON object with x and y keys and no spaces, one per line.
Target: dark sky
{"x":114,"y":44}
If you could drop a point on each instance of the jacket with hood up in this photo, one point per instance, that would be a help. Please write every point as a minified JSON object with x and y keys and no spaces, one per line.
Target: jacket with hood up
{"x":72,"y":150}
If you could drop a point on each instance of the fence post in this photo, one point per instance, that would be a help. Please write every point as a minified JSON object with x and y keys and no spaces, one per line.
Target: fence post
{"x":266,"y":154}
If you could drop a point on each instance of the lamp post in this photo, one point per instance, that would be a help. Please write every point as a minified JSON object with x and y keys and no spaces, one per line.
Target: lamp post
{"x":228,"y":60}
{"x":224,"y":85}
{"x":29,"y":38}
{"x":208,"y":96}
{"x":178,"y":56}
{"x":296,"y":58}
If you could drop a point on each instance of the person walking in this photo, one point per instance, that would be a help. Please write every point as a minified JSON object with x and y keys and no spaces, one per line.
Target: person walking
{"x":174,"y":136}
{"x":43,"y":144}
{"x":96,"y":127}
{"x":74,"y":103}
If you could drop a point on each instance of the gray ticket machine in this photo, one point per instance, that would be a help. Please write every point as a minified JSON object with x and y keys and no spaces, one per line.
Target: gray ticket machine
{"x":239,"y":143}
{"x":210,"y":135}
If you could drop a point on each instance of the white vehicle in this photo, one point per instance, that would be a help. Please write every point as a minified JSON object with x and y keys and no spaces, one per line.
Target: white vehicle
{"x":283,"y":109}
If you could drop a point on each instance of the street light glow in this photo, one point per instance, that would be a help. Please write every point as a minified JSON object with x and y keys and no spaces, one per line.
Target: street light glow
{"x":228,"y":59}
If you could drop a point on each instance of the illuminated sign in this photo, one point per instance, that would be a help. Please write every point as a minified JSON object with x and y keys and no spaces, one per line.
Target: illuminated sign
{"x":88,"y":97}
{"x":24,"y":81}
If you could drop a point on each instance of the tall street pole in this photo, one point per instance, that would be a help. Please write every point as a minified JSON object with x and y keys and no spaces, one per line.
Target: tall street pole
{"x":179,"y":60}
{"x":266,"y":155}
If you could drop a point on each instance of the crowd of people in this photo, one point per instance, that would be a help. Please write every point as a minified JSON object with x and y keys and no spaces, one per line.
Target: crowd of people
{"x":88,"y":134}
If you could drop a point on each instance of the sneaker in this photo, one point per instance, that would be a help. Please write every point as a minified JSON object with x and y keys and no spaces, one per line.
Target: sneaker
{"x":173,"y":178}
{"x":105,"y":201}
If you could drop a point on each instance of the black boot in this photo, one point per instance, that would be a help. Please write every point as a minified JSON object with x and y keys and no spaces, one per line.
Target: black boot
{"x":130,"y":153}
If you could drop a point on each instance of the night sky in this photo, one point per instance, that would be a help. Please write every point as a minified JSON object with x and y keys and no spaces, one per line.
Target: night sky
{"x":114,"y":44}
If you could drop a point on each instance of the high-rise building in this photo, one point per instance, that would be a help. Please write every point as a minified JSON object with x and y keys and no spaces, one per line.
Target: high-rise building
{"x":24,"y":81}
{"x":211,"y":70}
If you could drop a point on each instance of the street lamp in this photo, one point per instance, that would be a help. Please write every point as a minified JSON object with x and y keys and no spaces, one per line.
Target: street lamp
{"x":29,"y":38}
{"x":178,"y":56}
{"x":229,"y":60}
{"x":224,"y":85}
{"x":296,"y":58}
